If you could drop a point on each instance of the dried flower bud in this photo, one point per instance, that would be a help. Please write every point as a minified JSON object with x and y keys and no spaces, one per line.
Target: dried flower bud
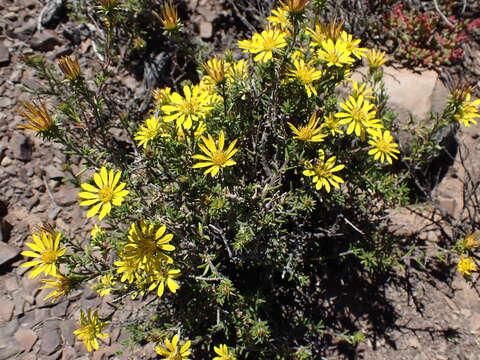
{"x":169,"y":17}
{"x":70,"y":68}
{"x":296,"y":6}
{"x":216,"y":69}
{"x":37,"y":115}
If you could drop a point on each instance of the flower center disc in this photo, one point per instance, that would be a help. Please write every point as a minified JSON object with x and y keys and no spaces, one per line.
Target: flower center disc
{"x":105,"y":194}
{"x":219,"y":158}
{"x":305,"y":133}
{"x":49,"y":257}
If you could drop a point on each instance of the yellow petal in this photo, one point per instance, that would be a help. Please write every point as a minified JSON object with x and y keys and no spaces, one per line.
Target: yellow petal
{"x":93,"y":211}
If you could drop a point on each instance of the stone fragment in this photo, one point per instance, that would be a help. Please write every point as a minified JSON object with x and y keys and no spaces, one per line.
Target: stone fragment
{"x":11,"y":283}
{"x":6,"y":309}
{"x":40,"y":298}
{"x":68,"y":353}
{"x":42,"y":314}
{"x":25,"y":31}
{"x":29,"y":4}
{"x":28,"y":320}
{"x":16,"y":76}
{"x":32,"y":84}
{"x":60,"y":310}
{"x":447,"y":204}
{"x":9,"y":352}
{"x":52,"y":13}
{"x":54,"y":172}
{"x":22,"y":147}
{"x":5,"y":102}
{"x":73,"y":34}
{"x":208,"y":14}
{"x":4,"y":55}
{"x":11,"y":16}
{"x":51,"y":342}
{"x":8,"y":330}
{"x":45,"y":40}
{"x":66,"y":328}
{"x":66,"y":196}
{"x":26,"y":338}
{"x":474,"y":323}
{"x":206,"y":30}
{"x":7,"y":253}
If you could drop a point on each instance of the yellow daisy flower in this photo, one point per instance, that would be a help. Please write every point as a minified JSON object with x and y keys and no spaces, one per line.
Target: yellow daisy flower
{"x":223,"y":353}
{"x":310,"y":132}
{"x":351,"y":45}
{"x":146,"y":245}
{"x":96,"y":231}
{"x":128,"y":268}
{"x":361,"y":90}
{"x":106,"y":194}
{"x":335,"y":53}
{"x":376,"y":58}
{"x":208,"y":87}
{"x":106,"y":284}
{"x":323,"y":32}
{"x":467,"y":111}
{"x":323,"y":172}
{"x":161,"y":96}
{"x":279,"y":18}
{"x":384,"y":148}
{"x":264,"y":44}
{"x":237,"y":71}
{"x":466,"y":265}
{"x":331,"y":124}
{"x":306,"y":74}
{"x":192,"y":107}
{"x":47,"y":253}
{"x":172,"y":351}
{"x":360,"y":116}
{"x":61,"y":285}
{"x":216,"y":70}
{"x":215,"y":157}
{"x":149,"y":131}
{"x":90,"y":329}
{"x":161,"y":276}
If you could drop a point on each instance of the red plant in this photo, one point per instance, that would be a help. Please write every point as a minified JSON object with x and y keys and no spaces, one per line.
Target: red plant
{"x":424,"y":38}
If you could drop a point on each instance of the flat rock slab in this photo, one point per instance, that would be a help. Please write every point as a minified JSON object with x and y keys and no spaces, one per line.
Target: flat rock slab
{"x":7,"y":253}
{"x":25,"y":338}
{"x":414,"y":93}
{"x":6,"y":309}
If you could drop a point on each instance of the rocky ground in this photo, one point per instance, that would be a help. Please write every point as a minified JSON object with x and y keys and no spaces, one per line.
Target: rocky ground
{"x":432,"y":318}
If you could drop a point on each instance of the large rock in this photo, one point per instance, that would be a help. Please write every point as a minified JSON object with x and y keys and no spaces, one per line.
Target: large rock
{"x":52,"y":13}
{"x":45,"y":40}
{"x":414,"y":93}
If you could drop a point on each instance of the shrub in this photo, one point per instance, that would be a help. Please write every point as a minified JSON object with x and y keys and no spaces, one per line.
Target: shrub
{"x":236,"y":199}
